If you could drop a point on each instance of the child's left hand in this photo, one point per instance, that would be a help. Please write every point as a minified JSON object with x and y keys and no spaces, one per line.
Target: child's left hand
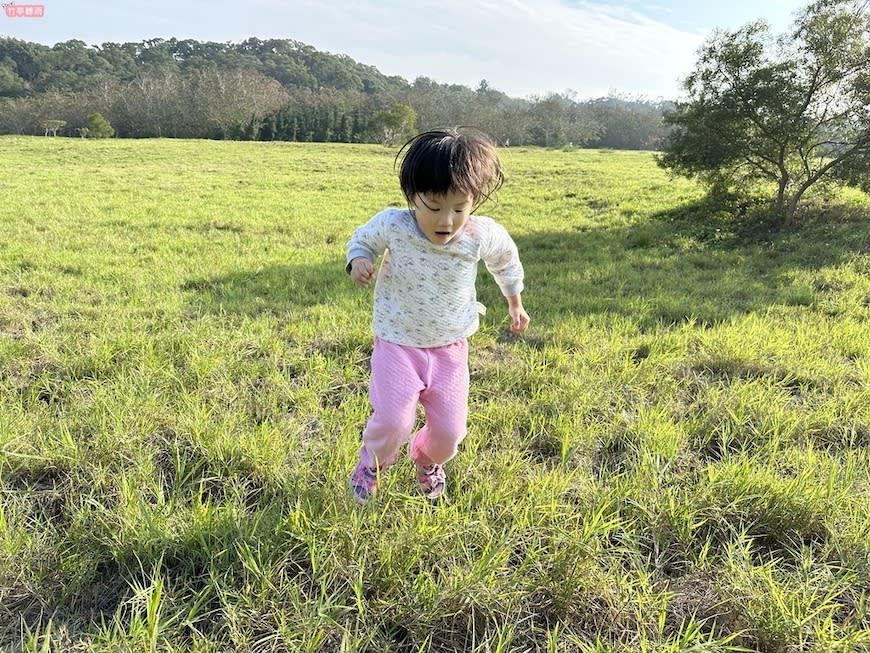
{"x":519,"y":318}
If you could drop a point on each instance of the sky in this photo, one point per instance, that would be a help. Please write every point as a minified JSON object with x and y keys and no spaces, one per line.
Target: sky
{"x":639,"y":48}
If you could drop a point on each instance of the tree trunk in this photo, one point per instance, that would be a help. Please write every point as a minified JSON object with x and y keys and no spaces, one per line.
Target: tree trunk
{"x":795,"y":199}
{"x":790,"y":210}
{"x":779,"y":208}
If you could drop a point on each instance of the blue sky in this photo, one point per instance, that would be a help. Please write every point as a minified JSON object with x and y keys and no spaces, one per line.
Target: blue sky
{"x":522,"y":47}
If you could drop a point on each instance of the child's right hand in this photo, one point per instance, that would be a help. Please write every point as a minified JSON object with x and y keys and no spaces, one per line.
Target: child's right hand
{"x":362,"y":271}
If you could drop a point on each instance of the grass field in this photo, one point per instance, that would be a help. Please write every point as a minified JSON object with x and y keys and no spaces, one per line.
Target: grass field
{"x":673,"y":458}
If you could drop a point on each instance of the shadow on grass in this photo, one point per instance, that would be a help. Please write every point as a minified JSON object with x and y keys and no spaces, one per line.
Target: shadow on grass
{"x":687,"y":265}
{"x":691,"y":264}
{"x":278,"y":289}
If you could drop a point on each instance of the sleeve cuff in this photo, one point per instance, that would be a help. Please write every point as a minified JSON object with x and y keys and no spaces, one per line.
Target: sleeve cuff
{"x":512,"y":289}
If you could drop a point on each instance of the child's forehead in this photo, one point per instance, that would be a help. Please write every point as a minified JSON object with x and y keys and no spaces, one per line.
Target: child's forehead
{"x":451,"y":196}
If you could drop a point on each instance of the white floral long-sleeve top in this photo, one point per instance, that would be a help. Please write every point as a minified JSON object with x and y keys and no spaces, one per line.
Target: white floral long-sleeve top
{"x":425,"y":293}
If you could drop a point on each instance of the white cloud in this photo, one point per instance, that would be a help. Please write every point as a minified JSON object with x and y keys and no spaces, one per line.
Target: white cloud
{"x":521,"y":47}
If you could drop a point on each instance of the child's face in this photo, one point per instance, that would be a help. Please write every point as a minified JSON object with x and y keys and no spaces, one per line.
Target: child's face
{"x":441,"y":217}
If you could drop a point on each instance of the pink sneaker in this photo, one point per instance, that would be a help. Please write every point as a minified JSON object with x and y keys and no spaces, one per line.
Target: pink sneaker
{"x":432,"y":480}
{"x":363,"y":482}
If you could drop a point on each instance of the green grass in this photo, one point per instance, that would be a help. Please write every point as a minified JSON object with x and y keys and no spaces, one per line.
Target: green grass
{"x":673,"y":458}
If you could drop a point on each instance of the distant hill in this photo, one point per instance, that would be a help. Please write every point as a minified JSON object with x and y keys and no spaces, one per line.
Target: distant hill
{"x":281,"y":89}
{"x":27,"y":67}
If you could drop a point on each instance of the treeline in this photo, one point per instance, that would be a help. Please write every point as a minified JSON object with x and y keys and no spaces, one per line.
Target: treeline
{"x":280,"y":89}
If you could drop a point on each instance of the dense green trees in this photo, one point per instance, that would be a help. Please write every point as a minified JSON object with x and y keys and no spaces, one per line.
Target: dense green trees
{"x":629,"y":123}
{"x":73,"y":65}
{"x":280,"y":89}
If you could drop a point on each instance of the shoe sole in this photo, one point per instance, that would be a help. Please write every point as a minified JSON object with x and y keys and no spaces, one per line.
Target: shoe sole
{"x":432,"y":496}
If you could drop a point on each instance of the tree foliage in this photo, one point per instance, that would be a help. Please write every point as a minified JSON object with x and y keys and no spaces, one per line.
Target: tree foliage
{"x":99,"y":127}
{"x":51,"y":127}
{"x":629,"y":123}
{"x":279,"y":89}
{"x":559,"y":120}
{"x":790,"y":112}
{"x":396,"y":124}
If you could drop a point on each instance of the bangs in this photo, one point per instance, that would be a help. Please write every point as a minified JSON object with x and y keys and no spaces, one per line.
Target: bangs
{"x":433,"y":168}
{"x":444,"y":161}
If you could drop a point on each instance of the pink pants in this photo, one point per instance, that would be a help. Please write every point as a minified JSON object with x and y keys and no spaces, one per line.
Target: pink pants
{"x":403,"y":376}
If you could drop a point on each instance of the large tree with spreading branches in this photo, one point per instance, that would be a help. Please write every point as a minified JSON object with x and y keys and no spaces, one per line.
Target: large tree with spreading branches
{"x":789,"y":112}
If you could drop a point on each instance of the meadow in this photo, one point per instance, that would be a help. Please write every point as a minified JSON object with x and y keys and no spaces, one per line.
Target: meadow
{"x":673,"y":458}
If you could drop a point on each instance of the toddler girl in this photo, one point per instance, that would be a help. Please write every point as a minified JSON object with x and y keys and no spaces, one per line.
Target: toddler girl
{"x":425,"y":304}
